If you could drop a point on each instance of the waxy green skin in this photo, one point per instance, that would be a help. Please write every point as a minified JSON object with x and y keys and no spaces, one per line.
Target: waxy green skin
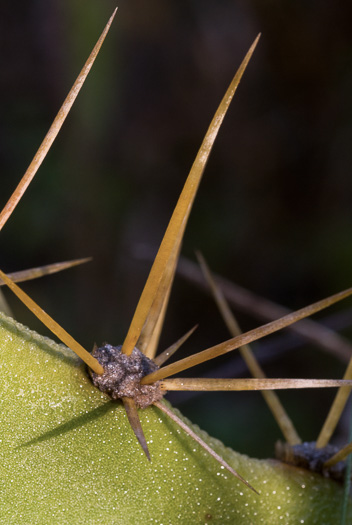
{"x":69,"y":456}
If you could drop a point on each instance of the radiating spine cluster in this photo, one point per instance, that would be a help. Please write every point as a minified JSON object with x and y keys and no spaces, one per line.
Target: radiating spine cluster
{"x":146,"y":325}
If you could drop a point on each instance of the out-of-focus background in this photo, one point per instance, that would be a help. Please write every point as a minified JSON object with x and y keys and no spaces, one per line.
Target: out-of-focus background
{"x":273,"y":212}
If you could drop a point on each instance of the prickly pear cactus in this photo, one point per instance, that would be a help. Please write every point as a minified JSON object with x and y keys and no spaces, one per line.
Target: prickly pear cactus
{"x":68,"y":456}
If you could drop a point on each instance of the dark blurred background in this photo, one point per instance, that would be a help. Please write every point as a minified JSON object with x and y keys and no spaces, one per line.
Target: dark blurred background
{"x":273,"y":213}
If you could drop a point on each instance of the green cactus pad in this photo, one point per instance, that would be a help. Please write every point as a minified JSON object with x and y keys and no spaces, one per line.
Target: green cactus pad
{"x":69,"y":456}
